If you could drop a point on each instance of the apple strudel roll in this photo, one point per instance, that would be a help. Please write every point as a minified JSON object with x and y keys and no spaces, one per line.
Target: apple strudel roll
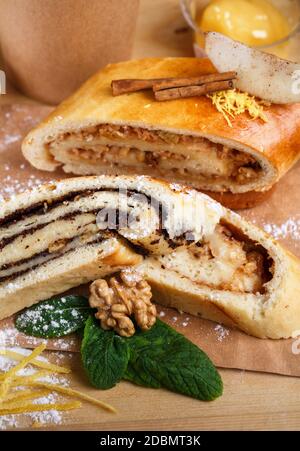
{"x":186,"y":141}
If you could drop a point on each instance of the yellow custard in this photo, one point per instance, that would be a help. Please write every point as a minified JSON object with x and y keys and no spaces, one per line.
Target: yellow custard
{"x":253,"y":22}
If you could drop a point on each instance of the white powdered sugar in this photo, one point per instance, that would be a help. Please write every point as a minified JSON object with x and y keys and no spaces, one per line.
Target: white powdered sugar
{"x":67,"y":344}
{"x":11,"y":185}
{"x":288,"y":229}
{"x":9,"y":139}
{"x":49,"y":416}
{"x":182,"y":320}
{"x":176,"y":187}
{"x":221,"y":331}
{"x":8,"y":422}
{"x":8,"y":336}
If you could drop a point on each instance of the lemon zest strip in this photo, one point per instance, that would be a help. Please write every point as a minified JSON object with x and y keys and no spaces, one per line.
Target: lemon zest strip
{"x":231,"y":103}
{"x":22,"y":395}
{"x":74,"y":393}
{"x":30,"y":407}
{"x":20,"y":380}
{"x":39,"y":363}
{"x":10,"y":375}
{"x":17,"y":402}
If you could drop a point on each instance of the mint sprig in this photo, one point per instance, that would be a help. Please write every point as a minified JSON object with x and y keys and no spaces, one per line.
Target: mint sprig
{"x":159,"y":357}
{"x":55,"y":317}
{"x":162,"y":357}
{"x":104,"y":355}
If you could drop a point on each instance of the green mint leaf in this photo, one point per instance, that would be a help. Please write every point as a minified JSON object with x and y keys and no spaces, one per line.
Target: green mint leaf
{"x":55,"y":317}
{"x":104,"y":355}
{"x":140,"y":376}
{"x":163,"y":357}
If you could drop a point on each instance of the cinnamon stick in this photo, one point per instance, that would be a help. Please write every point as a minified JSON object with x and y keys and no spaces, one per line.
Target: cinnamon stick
{"x":126,"y":86}
{"x":193,"y":81}
{"x":193,"y":91}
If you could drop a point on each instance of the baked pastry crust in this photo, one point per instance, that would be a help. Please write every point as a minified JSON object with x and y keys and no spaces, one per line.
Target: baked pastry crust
{"x":240,"y":201}
{"x":273,"y":145}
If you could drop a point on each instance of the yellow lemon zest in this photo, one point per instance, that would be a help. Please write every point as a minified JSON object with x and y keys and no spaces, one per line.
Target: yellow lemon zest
{"x":20,"y":401}
{"x":73,"y":393}
{"x":11,"y":374}
{"x":39,"y":363}
{"x":28,"y":407}
{"x":22,"y":395}
{"x":231,"y":103}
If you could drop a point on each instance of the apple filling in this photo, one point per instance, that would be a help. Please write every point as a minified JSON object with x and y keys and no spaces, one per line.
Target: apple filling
{"x":223,"y":262}
{"x":140,"y":150}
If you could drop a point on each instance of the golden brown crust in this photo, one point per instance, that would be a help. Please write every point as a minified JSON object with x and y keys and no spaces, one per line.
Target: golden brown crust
{"x":240,"y":201}
{"x":277,"y":141}
{"x":170,"y":296}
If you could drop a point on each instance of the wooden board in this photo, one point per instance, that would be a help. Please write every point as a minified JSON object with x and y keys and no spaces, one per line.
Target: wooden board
{"x":251,"y":400}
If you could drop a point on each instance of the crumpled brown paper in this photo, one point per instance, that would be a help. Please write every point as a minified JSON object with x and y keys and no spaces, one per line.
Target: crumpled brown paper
{"x":280,"y":216}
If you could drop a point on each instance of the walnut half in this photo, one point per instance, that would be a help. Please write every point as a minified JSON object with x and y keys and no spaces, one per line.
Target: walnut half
{"x":121,"y":297}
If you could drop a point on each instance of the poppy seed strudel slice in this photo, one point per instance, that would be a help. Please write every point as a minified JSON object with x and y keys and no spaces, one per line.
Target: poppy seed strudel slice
{"x":68,"y":233}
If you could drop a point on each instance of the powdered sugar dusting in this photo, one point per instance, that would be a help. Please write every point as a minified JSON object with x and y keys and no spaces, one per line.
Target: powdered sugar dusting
{"x":287,"y":229}
{"x":12,"y":185}
{"x":70,"y":343}
{"x":16,"y":121}
{"x":176,"y":187}
{"x":8,"y":422}
{"x":49,"y":416}
{"x":221,"y":331}
{"x":8,"y":336}
{"x":9,"y":139}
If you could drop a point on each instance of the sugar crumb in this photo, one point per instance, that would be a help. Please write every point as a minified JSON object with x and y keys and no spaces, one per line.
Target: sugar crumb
{"x":222,"y":332}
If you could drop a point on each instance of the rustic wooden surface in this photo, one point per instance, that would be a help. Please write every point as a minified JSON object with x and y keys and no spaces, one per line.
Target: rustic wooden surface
{"x":251,"y":401}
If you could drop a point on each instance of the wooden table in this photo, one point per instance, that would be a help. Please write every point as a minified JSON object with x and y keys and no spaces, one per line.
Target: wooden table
{"x":251,"y":400}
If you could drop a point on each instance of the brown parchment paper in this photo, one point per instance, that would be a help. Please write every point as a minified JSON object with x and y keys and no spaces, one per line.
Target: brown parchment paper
{"x":228,"y":348}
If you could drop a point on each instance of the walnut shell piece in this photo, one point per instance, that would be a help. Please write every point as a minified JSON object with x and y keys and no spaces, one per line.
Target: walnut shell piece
{"x":120,"y":298}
